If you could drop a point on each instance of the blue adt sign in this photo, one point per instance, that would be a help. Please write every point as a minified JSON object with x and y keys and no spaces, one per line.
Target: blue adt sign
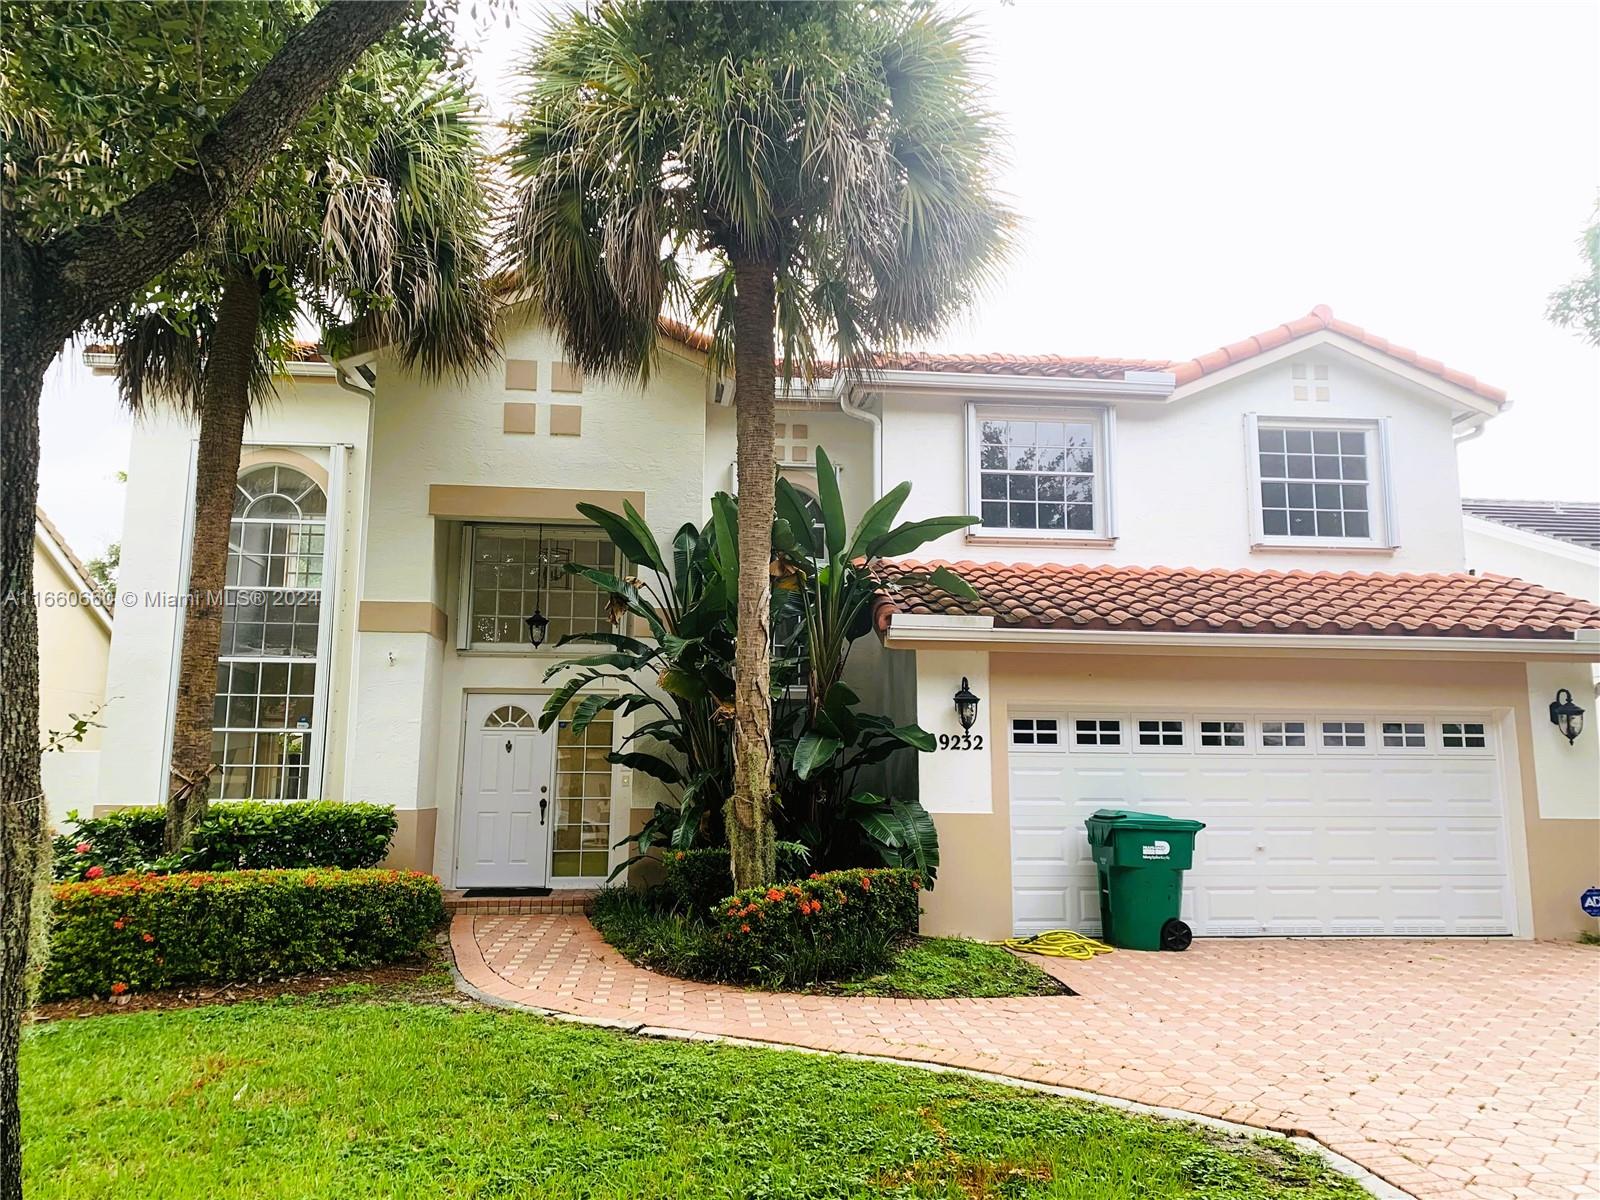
{"x":1590,"y":900}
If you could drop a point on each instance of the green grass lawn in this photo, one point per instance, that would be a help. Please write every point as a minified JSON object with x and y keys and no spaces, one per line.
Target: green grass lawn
{"x":939,"y":968}
{"x":307,"y":1098}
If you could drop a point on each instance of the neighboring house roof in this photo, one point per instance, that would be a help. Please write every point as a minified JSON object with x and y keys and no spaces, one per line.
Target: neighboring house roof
{"x":1320,"y":319}
{"x":1189,"y":600}
{"x":299,"y":351}
{"x":44,"y":526}
{"x":1575,"y":522}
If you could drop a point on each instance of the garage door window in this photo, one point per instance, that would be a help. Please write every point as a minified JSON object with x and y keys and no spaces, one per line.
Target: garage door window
{"x":1034,"y":731}
{"x":1405,"y":735}
{"x":1283,"y":735}
{"x":1161,"y":733}
{"x":1344,"y":735}
{"x":1463,"y":735}
{"x":1097,"y":731}
{"x":1219,"y":735}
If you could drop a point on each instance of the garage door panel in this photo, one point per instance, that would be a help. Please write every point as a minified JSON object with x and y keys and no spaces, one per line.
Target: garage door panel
{"x":1300,"y":842}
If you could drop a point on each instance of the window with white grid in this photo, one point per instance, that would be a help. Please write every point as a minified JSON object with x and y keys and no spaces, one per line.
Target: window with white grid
{"x":1035,"y":731}
{"x":1283,"y":735}
{"x":1160,"y":732}
{"x":1221,"y":735}
{"x":1463,"y":735}
{"x":583,"y":800}
{"x":1097,"y":731}
{"x":517,"y":569}
{"x":1405,"y":735}
{"x":1034,"y":471}
{"x":262,"y":720}
{"x":1316,"y":482}
{"x":1344,"y":735}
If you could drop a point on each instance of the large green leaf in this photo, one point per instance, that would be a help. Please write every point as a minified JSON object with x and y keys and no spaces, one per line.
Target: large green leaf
{"x":589,"y":708}
{"x":947,"y":580}
{"x":725,"y":523}
{"x":903,"y":539}
{"x":647,"y":539}
{"x":833,"y":521}
{"x":875,"y":522}
{"x":651,"y":764}
{"x":812,"y":753}
{"x":625,"y":536}
{"x":792,"y":508}
{"x":901,"y":831}
{"x":620,"y":640}
{"x":559,"y":698}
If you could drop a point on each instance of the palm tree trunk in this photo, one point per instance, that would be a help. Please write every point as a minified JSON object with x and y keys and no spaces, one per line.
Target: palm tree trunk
{"x":749,"y":821}
{"x":224,"y":407}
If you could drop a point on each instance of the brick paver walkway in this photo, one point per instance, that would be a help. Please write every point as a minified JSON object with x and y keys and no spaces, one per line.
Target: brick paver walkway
{"x":1463,"y":1068}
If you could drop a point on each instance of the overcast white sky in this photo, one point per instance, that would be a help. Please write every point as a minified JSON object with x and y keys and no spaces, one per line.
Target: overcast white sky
{"x":1194,"y":173}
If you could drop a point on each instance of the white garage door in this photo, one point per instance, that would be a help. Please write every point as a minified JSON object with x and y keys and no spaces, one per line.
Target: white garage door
{"x":1315,"y":825}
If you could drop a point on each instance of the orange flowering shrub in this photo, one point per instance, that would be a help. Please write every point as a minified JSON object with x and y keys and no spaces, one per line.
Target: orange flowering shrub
{"x":141,"y":932}
{"x":830,"y":926}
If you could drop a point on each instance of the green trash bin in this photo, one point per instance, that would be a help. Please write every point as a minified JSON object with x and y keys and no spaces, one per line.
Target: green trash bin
{"x":1140,"y":859}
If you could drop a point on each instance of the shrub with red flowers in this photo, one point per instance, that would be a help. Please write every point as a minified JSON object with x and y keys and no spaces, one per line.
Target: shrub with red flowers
{"x":830,"y":926}
{"x":698,"y":879}
{"x":142,"y":932}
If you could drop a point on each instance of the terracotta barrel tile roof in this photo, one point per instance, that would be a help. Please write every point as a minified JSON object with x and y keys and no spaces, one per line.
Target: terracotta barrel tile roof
{"x":1189,"y":600}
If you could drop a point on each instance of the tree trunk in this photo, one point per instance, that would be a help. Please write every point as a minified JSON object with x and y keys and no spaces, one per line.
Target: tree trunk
{"x":750,"y":836}
{"x":24,"y":355}
{"x":224,"y":408}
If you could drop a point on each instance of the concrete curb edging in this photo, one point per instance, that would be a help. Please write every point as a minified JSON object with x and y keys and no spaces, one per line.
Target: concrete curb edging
{"x":1380,"y":1188}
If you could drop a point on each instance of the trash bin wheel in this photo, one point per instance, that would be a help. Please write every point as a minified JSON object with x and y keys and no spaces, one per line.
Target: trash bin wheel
{"x":1175,"y":935}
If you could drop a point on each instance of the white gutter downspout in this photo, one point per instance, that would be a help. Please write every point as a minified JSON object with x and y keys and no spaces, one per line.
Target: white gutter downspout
{"x":861,"y":413}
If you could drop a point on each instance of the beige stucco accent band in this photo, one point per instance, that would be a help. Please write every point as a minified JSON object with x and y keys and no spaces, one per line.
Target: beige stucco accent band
{"x":474,"y":502}
{"x":402,"y":616}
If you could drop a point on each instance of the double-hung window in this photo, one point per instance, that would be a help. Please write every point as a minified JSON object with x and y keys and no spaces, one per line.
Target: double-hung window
{"x":1318,"y":483}
{"x":1038,"y":472}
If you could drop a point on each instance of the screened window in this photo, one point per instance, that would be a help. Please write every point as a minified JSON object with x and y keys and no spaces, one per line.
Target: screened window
{"x":1344,"y":735}
{"x":1160,"y":733}
{"x":517,"y":569}
{"x":1097,"y":732}
{"x":583,"y":800}
{"x":262,"y":723}
{"x":1463,"y":735}
{"x":1221,"y":734}
{"x":1037,"y":474}
{"x":1035,"y":731}
{"x":1315,"y":483}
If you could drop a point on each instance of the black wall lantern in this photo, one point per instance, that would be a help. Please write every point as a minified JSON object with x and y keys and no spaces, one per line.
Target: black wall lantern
{"x":1566,"y":716}
{"x":966,"y":705}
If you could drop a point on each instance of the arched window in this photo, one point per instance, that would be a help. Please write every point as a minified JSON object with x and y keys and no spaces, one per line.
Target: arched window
{"x":263,"y":735}
{"x":509,"y":716}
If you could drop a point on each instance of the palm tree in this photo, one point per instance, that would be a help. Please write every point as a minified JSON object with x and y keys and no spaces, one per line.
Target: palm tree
{"x":389,"y":239}
{"x":798,"y":176}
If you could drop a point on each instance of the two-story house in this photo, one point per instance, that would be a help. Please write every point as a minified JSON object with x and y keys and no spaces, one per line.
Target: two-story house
{"x":1229,"y":587}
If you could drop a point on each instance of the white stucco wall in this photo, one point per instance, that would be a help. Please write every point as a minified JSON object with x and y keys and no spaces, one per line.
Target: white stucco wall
{"x":305,"y":417}
{"x":1493,"y":549}
{"x":1568,"y":773}
{"x":1178,"y":472}
{"x":951,"y":780}
{"x":848,"y":441}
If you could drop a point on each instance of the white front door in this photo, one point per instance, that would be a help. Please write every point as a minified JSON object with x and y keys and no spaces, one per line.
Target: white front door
{"x":1345,"y":824}
{"x":506,"y":794}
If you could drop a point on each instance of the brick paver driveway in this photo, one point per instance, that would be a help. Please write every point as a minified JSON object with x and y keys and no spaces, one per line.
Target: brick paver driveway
{"x":1448,"y":1068}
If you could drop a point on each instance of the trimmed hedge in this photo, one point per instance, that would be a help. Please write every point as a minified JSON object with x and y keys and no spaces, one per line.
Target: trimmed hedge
{"x":142,"y":932}
{"x":829,"y":927}
{"x":236,"y":835}
{"x":698,"y":880}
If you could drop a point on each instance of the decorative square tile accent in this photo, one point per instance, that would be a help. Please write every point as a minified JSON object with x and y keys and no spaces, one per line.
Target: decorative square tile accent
{"x":521,"y":418}
{"x":1310,"y":381}
{"x":565,"y":377}
{"x":566,"y":420}
{"x":522,"y":375}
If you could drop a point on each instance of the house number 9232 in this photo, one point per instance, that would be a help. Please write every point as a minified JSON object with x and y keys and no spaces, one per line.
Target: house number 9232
{"x":961,"y":741}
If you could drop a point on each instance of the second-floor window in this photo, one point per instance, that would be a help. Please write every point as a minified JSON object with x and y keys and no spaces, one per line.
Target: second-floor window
{"x":515,"y":570}
{"x":1038,"y":472}
{"x":1318,"y":483}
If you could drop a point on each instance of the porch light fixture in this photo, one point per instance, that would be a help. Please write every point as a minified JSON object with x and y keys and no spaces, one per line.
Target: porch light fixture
{"x":537,"y":623}
{"x":1566,"y":716}
{"x":967,"y":705}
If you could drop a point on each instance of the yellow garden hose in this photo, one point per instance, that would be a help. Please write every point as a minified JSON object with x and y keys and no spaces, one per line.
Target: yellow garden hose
{"x":1058,"y":943}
